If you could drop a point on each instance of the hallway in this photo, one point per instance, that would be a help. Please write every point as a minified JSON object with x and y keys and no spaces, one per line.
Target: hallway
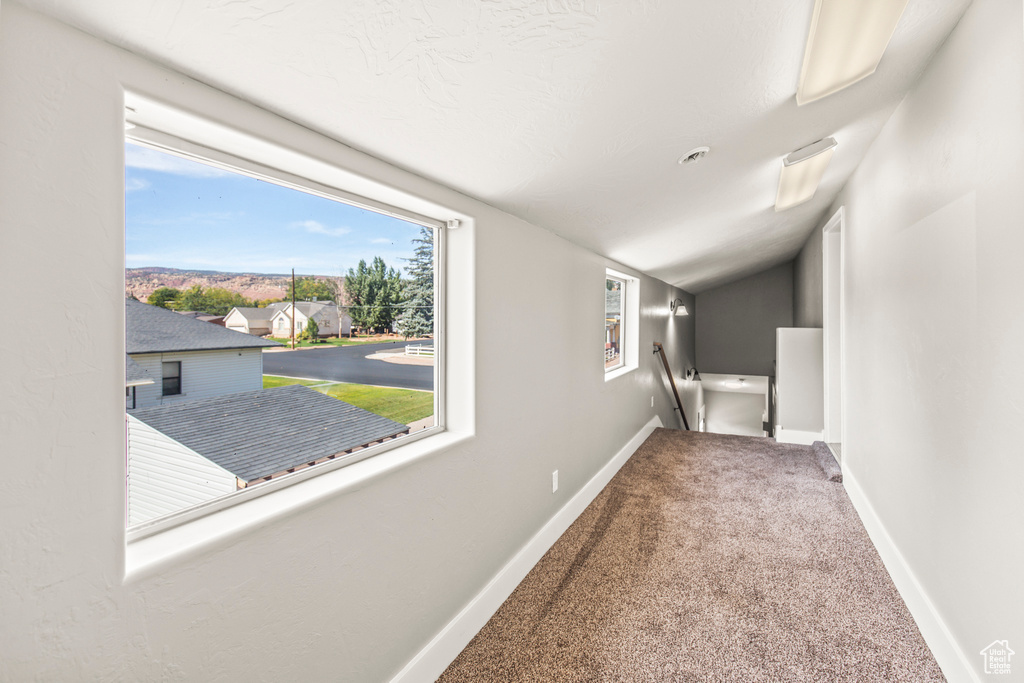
{"x":707,"y":558}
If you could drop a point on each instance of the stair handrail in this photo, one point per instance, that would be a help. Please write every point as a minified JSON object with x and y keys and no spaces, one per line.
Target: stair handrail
{"x":658,"y":348}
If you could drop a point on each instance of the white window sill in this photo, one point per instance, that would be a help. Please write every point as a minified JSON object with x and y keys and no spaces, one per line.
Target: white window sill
{"x":153,"y":553}
{"x":619,"y":372}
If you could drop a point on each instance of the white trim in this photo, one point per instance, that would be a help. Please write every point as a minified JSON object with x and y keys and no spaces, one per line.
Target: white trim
{"x":836,"y":224}
{"x":443,"y":648}
{"x":629,"y":333}
{"x":951,"y":659}
{"x":796,"y":436}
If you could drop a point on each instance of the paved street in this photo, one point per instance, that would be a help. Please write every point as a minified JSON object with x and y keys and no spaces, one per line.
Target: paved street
{"x":349,"y":364}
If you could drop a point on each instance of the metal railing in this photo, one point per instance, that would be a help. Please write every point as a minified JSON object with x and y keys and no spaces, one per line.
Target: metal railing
{"x":658,"y":348}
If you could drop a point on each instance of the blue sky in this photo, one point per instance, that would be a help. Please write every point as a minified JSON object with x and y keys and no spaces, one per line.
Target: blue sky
{"x":183,"y":214}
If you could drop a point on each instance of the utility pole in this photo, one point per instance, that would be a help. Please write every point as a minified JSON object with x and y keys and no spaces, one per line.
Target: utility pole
{"x":293,"y":308}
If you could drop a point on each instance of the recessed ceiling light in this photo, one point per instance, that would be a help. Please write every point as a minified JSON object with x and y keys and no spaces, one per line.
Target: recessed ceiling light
{"x":845,"y":44}
{"x":694,"y":155}
{"x":801,"y":172}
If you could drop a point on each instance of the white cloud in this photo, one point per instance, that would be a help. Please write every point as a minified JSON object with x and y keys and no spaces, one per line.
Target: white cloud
{"x":133,"y":184}
{"x":152,"y":160}
{"x":382,"y":240}
{"x":318,"y":228}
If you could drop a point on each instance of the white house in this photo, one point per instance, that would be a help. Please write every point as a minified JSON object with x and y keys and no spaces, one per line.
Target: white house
{"x":189,"y":359}
{"x":329,"y":321}
{"x":254,"y":321}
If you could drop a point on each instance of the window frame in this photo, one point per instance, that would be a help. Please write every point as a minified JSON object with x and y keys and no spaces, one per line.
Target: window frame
{"x":629,"y":324}
{"x":164,"y":377}
{"x":620,"y":341}
{"x":139,"y":129}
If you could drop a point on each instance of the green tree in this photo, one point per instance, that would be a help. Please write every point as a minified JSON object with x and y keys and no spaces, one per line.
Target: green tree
{"x":219,"y":301}
{"x":214,"y":301}
{"x":312,"y":330}
{"x":163,"y":297}
{"x":375,"y":293}
{"x":191,"y":299}
{"x":418,"y":309}
{"x":309,"y":288}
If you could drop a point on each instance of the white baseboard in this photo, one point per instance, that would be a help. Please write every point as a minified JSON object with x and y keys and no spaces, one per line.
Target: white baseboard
{"x":434,"y":658}
{"x":796,"y":436}
{"x":948,"y":654}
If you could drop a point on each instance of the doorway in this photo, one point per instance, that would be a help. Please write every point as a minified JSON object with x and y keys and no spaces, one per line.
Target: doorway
{"x":833,"y":309}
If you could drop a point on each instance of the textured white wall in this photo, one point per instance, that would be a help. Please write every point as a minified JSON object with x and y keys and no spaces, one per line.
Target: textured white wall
{"x":799,"y":380}
{"x":347,"y":589}
{"x":935,"y":328}
{"x":807,"y":274}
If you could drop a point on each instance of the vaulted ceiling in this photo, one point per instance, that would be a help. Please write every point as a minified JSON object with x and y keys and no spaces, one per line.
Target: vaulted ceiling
{"x":571,"y":114}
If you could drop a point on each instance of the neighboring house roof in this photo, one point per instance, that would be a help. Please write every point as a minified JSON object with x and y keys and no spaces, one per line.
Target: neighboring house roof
{"x":255,"y":434}
{"x":151,"y":329}
{"x":253,"y":315}
{"x":134,"y":374}
{"x":306,"y":308}
{"x":199,"y":315}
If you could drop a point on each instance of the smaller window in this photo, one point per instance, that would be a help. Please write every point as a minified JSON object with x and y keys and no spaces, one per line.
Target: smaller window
{"x":172,"y":378}
{"x":614,"y":295}
{"x":621,"y":324}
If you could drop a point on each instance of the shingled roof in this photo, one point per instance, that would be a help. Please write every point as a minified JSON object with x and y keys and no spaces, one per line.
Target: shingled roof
{"x":255,"y":434}
{"x":134,"y":374}
{"x":254,"y":314}
{"x":151,"y":329}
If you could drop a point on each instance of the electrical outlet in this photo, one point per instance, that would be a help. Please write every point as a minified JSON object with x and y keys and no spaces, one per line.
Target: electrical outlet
{"x":554,"y":481}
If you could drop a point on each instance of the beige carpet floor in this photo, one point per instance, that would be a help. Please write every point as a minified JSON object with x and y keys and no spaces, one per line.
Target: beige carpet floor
{"x":707,"y":558}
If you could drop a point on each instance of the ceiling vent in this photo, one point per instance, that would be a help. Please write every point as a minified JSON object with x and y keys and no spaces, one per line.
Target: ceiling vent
{"x":694,"y":155}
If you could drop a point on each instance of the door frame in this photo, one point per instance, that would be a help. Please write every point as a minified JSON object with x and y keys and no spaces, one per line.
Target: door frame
{"x":833,"y":297}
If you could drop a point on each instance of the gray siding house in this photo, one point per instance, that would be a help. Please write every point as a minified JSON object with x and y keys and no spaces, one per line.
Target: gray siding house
{"x":189,"y":359}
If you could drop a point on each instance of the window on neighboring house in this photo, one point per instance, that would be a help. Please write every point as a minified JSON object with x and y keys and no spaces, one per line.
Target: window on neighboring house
{"x":621,"y":323}
{"x":208,"y":231}
{"x":172,"y":378}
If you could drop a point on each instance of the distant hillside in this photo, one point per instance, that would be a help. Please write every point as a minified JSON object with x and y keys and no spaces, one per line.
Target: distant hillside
{"x":141,"y":282}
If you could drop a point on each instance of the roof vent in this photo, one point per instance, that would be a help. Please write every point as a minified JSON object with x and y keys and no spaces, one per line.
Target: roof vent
{"x":694,"y":155}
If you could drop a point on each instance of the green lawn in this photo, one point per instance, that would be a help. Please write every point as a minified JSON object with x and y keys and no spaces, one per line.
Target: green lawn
{"x":400,"y":405}
{"x":344,"y":341}
{"x":271,"y":381}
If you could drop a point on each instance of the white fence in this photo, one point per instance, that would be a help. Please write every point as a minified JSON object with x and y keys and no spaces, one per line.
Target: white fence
{"x":419,"y":350}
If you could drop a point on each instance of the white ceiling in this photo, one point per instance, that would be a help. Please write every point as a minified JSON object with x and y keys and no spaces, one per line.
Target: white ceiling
{"x":568,"y":113}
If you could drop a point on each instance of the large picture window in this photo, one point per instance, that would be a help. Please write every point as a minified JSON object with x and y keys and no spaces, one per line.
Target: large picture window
{"x":309,"y":319}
